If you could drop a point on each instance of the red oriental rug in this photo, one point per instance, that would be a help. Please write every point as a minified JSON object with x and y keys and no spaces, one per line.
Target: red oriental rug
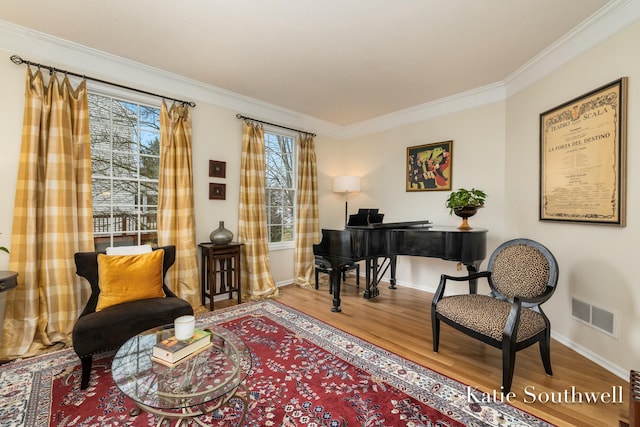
{"x":304,"y":373}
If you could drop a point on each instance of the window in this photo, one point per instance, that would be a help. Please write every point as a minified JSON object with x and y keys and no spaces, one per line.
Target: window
{"x":280,"y":187}
{"x":125,"y":158}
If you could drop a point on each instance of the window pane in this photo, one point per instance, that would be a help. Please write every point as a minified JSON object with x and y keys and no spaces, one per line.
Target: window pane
{"x":287,"y":234}
{"x":125,"y":139}
{"x":149,"y":117}
{"x":149,"y":238}
{"x":125,"y":192}
{"x":101,"y":219}
{"x":280,"y":186}
{"x":101,"y":162}
{"x":125,"y":159}
{"x":100,"y":131}
{"x":149,"y":167}
{"x":125,"y":113}
{"x":99,"y":107}
{"x":275,"y":217}
{"x":148,"y":220}
{"x":149,"y":142}
{"x":125,"y":165}
{"x":126,"y":220}
{"x":288,"y":216}
{"x":149,"y":193}
{"x":275,"y":233}
{"x":101,"y":192}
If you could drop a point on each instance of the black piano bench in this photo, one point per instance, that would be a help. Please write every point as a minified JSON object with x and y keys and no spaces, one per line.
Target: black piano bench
{"x":324,"y":266}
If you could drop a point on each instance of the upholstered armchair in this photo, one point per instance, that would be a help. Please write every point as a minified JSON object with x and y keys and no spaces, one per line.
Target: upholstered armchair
{"x":128,"y":296}
{"x":522,"y":274}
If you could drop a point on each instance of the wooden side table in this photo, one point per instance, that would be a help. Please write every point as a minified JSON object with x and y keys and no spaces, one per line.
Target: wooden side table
{"x":8,"y":280}
{"x":220,"y":271}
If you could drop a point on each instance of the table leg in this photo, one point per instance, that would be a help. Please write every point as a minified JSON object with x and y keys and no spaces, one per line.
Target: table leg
{"x":212,"y":280}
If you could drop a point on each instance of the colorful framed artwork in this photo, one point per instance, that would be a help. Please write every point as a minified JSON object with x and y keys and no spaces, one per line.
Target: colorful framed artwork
{"x":429,"y":167}
{"x":583,"y":158}
{"x":217,"y":169}
{"x":217,"y":191}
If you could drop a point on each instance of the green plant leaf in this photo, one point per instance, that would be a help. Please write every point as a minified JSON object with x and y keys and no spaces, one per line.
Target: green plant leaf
{"x":463,"y":197}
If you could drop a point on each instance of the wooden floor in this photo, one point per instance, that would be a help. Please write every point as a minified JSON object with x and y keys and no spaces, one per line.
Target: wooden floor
{"x":399,"y":321}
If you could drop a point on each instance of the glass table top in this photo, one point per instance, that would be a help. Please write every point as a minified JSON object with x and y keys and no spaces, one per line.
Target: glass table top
{"x":203,"y":377}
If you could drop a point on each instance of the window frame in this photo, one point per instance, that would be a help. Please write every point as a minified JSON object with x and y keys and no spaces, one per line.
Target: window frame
{"x":274,"y":130}
{"x":99,"y":89}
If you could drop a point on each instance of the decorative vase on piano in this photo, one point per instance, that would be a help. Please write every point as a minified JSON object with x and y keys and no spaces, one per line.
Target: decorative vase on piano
{"x":465,"y":203}
{"x":465,"y":213}
{"x":221,"y":236}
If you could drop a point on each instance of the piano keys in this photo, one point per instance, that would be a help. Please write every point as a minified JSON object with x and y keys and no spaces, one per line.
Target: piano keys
{"x":384,"y":242}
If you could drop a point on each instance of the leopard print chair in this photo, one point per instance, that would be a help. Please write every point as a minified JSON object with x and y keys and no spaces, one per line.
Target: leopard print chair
{"x":522,"y":274}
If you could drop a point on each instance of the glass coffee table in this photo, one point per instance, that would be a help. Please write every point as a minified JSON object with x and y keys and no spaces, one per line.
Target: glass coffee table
{"x":199,"y":385}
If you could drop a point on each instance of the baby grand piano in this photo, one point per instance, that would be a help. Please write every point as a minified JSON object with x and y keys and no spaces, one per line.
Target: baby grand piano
{"x":377,"y":241}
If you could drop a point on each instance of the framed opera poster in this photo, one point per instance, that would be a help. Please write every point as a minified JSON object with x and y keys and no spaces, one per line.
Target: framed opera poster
{"x":429,"y":167}
{"x":583,"y":158}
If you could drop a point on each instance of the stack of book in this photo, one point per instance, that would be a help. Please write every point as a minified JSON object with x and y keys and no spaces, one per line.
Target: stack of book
{"x":172,"y":351}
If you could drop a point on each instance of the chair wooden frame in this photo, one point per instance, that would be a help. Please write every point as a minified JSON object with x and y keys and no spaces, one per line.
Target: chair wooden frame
{"x":509,"y":343}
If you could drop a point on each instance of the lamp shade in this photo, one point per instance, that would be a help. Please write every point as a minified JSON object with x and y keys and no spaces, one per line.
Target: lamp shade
{"x":346,"y":184}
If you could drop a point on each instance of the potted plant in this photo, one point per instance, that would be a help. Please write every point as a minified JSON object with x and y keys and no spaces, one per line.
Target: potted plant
{"x":465,"y":203}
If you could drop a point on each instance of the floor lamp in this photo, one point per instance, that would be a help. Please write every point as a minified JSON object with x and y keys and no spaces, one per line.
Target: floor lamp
{"x":346,"y":184}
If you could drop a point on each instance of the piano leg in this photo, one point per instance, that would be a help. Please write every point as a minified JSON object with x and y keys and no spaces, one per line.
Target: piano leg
{"x":367,"y":276}
{"x":473,"y":284}
{"x":372,"y":290}
{"x":334,"y":279}
{"x":392,"y":280}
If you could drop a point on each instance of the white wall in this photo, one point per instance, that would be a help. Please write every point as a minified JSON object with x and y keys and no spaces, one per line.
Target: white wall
{"x":11,"y":106}
{"x":596,"y":261}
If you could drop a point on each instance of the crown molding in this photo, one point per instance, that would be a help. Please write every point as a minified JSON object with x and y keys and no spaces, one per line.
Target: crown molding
{"x":44,"y":48}
{"x":451,"y":104}
{"x":40,"y":47}
{"x":603,"y":24}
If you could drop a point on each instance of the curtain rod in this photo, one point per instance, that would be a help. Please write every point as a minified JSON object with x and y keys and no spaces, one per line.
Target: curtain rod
{"x":240,"y":116}
{"x":52,"y":70}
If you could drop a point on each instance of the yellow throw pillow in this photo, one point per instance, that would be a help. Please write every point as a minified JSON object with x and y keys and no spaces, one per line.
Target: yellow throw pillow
{"x":123,"y":278}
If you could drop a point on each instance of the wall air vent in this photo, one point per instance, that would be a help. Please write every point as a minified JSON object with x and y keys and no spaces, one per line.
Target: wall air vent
{"x":597,"y":317}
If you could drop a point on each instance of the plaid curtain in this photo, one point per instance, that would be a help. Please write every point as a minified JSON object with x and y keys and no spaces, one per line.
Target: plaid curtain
{"x":175,"y":201}
{"x":252,"y":225}
{"x":307,"y":228}
{"x":52,"y":217}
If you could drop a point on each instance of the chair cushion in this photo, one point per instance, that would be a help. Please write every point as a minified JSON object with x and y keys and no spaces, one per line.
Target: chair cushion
{"x":520,"y":270}
{"x":124,"y":278}
{"x":110,"y":328}
{"x":487,"y":316}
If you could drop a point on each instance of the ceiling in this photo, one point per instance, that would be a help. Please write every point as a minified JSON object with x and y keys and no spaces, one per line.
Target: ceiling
{"x":340,"y":61}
